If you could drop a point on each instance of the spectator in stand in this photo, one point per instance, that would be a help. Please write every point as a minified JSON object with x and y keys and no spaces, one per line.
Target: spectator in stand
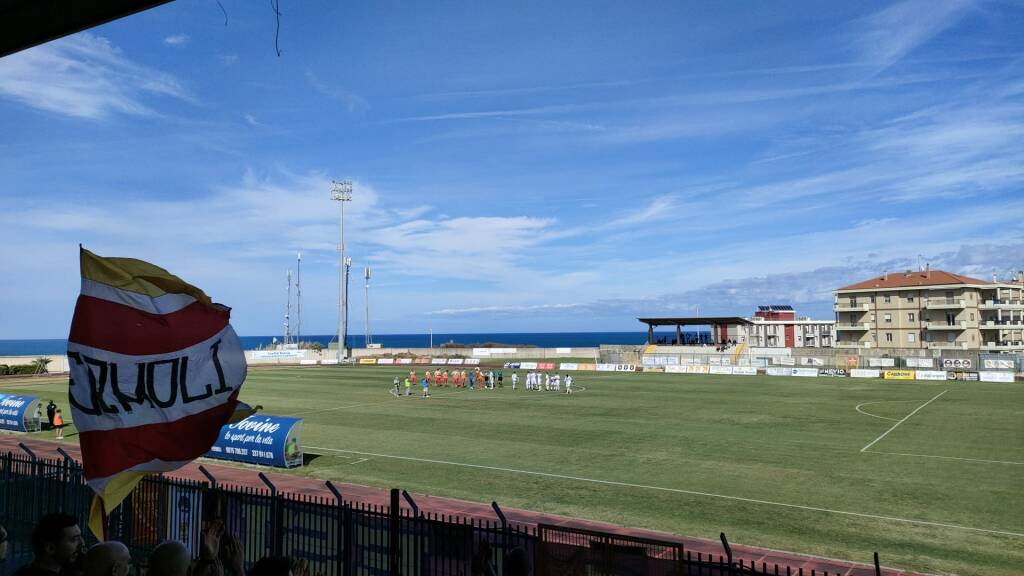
{"x":170,"y":558}
{"x":108,"y":559}
{"x":56,"y":546}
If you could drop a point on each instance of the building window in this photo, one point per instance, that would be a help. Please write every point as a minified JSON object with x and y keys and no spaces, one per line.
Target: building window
{"x":951,"y":337}
{"x":872,"y":317}
{"x":888,"y":299}
{"x":911,"y":337}
{"x":888,"y":336}
{"x":972,"y":316}
{"x":910,"y":317}
{"x":872,"y":298}
{"x":910,"y":298}
{"x":888,"y":318}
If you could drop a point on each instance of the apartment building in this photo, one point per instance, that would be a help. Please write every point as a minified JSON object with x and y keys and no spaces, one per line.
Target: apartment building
{"x":931,"y":309}
{"x":778,"y":326}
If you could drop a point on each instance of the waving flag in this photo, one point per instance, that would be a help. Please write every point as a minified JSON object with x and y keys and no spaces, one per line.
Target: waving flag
{"x":155,"y":372}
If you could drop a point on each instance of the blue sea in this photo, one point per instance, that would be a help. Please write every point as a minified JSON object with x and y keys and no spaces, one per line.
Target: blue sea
{"x":539,"y":339}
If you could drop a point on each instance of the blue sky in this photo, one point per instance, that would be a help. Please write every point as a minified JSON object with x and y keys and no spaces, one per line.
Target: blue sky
{"x":518,"y":166}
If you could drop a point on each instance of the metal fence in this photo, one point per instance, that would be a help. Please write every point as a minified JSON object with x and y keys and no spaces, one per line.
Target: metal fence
{"x":338,"y":537}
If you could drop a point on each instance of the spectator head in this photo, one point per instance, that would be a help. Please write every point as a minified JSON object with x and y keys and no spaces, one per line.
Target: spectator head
{"x":109,"y":558}
{"x":170,"y":558}
{"x":3,"y":544}
{"x":272,"y":566}
{"x":56,"y":541}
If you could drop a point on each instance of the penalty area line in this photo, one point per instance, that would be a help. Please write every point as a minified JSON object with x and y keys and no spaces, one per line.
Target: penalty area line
{"x":677,"y":491}
{"x":946,"y":457}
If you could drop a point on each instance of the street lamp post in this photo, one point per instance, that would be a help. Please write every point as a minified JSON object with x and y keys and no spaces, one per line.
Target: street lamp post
{"x":342,"y":192}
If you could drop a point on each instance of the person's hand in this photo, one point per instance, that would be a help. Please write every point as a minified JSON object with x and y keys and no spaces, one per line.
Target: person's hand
{"x":233,"y":553}
{"x":211,"y":540}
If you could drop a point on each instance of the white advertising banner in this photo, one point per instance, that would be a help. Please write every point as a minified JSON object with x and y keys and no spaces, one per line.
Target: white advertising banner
{"x":956,"y":363}
{"x":563,"y":350}
{"x":403,"y":360}
{"x":385,"y":360}
{"x":568,"y":366}
{"x":784,"y":360}
{"x":528,"y":365}
{"x":475,"y":361}
{"x":606,"y":367}
{"x":698,"y":369}
{"x":676,"y":369}
{"x":919,"y":363}
{"x":277,"y":354}
{"x":720,"y":370}
{"x":744,"y":371}
{"x":997,"y":364}
{"x":779,"y":371}
{"x":438,"y":360}
{"x":931,"y":375}
{"x":456,"y":361}
{"x":996,"y":376}
{"x":806,"y":372}
{"x":865,"y":373}
{"x":881,"y":362}
{"x":812,"y":362}
{"x":307,"y":362}
{"x":329,"y":361}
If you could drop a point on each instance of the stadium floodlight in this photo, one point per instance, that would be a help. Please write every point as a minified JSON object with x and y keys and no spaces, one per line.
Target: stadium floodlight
{"x":341,"y":192}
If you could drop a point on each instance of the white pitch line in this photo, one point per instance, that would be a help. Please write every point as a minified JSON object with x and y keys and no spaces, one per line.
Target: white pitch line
{"x":947,"y":457}
{"x":678,"y":491}
{"x":361,"y":460}
{"x":905,"y":418}
{"x":857,"y":408}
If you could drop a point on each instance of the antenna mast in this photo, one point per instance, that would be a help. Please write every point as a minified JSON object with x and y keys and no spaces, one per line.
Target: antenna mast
{"x":366,"y":325}
{"x":298,"y":299}
{"x":288,"y":312}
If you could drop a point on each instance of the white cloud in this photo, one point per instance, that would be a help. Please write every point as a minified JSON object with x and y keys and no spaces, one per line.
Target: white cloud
{"x":228,"y":59}
{"x":888,"y":35}
{"x":251,"y":119}
{"x":352,"y":102}
{"x":177,"y":40}
{"x":84,"y":76}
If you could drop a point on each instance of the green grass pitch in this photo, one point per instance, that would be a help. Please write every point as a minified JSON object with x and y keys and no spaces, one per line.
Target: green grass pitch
{"x":771,"y":461}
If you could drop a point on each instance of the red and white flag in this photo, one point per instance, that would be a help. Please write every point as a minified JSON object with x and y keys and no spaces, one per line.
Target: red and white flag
{"x":155,"y":372}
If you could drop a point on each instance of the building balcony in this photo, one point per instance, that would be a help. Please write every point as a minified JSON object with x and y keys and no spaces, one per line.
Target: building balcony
{"x":1002,"y":305}
{"x":945,"y":303}
{"x":1003,"y":346}
{"x":947,"y":345}
{"x":961,"y":325}
{"x":1003,"y":325}
{"x":857,"y":327}
{"x":847,"y":307}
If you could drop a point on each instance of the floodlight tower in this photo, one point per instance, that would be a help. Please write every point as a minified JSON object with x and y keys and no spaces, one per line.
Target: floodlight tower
{"x":348,"y":269}
{"x":298,"y":300}
{"x":342,"y":192}
{"x":288,"y":312}
{"x":366,"y":301}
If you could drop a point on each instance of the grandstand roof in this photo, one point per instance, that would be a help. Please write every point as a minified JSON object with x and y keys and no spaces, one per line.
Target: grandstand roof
{"x":911,"y":279}
{"x":694,"y":321}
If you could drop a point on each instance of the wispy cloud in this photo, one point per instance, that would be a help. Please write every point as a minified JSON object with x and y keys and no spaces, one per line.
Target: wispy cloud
{"x":887,"y":36}
{"x":250,"y":119}
{"x":352,"y":101}
{"x":85,"y":76}
{"x":177,"y":40}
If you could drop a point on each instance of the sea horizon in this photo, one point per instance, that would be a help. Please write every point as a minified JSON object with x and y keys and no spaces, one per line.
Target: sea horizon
{"x":51,"y":346}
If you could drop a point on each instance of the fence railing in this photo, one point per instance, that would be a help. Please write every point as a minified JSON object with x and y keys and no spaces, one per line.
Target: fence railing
{"x":338,"y":537}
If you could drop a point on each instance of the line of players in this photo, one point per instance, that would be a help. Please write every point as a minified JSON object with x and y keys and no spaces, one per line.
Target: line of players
{"x":476,"y":378}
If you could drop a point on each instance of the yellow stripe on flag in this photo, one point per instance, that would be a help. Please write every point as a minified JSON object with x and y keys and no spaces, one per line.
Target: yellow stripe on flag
{"x":114,"y":493}
{"x":137,"y":276}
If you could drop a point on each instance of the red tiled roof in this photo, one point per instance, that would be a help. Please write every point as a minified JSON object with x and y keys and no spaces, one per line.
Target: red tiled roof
{"x":909,"y":279}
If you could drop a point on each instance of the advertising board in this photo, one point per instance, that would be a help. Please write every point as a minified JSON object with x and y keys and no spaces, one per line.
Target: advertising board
{"x":898,"y":374}
{"x":881,"y":362}
{"x":744,"y":371}
{"x":17,"y":413}
{"x":778,"y":371}
{"x":719,"y":369}
{"x":568,"y":366}
{"x":957,"y":363}
{"x":260,"y":439}
{"x":865,"y":373}
{"x":931,"y":375}
{"x":988,"y":376}
{"x":834,"y":372}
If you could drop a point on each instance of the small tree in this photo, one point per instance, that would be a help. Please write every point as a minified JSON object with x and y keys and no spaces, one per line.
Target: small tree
{"x":316,"y":347}
{"x":39,"y":365}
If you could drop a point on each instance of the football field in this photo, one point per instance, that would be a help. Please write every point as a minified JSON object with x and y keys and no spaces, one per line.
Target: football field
{"x":929,"y":474}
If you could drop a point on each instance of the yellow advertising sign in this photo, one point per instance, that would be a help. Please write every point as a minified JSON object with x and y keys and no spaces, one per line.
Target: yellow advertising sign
{"x":367,"y":360}
{"x":898,"y":375}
